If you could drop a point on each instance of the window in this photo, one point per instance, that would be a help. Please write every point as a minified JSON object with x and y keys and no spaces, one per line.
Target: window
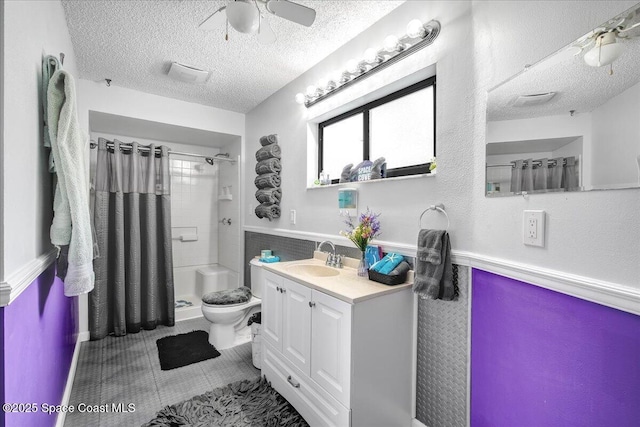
{"x":399,"y":127}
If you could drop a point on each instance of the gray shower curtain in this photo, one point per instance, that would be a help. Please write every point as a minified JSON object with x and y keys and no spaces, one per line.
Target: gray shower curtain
{"x":543,"y":176}
{"x":132,"y":220}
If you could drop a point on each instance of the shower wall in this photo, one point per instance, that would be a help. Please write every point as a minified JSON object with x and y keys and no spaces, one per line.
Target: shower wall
{"x":229,"y":254}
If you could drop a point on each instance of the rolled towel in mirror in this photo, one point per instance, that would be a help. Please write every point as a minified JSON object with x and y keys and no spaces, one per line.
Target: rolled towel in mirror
{"x":268,"y":180}
{"x":268,"y":166}
{"x":269,"y":139}
{"x":269,"y":195}
{"x":271,"y":151}
{"x":269,"y":211}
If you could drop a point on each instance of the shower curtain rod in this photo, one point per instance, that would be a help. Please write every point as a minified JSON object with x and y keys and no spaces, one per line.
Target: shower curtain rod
{"x":208,"y":159}
{"x":535,"y":163}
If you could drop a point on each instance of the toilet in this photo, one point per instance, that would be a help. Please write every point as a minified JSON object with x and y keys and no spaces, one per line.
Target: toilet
{"x":227,"y":316}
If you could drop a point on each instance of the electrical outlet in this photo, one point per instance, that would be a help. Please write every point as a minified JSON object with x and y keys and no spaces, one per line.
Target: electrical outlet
{"x":292,"y":216}
{"x":533,"y":228}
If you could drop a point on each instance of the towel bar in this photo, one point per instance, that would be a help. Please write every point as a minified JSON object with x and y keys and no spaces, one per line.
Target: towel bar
{"x":439,"y":208}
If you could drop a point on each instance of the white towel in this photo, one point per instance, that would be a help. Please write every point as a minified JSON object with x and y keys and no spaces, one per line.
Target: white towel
{"x":72,"y":222}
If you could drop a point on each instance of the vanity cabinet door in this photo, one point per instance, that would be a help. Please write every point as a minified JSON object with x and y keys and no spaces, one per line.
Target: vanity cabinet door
{"x":296,"y":325}
{"x":331,"y":345}
{"x":272,"y":309}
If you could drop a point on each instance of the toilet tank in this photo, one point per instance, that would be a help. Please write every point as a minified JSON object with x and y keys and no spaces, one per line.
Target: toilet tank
{"x":257,"y":277}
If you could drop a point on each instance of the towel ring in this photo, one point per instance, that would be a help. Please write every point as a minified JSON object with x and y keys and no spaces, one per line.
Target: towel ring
{"x":440,"y":208}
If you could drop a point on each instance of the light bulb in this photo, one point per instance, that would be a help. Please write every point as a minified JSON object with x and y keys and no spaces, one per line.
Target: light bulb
{"x":392,"y":44}
{"x":371,"y":56}
{"x":415,"y":29}
{"x":311,"y":91}
{"x":338,"y":77}
{"x":323,"y":83}
{"x":300,"y":98}
{"x":353,"y":66}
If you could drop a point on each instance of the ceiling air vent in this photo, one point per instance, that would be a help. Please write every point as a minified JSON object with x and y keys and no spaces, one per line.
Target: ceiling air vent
{"x":535,"y":99}
{"x":186,"y":73}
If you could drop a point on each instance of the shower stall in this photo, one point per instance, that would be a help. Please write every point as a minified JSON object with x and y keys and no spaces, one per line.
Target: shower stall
{"x":205,"y":202}
{"x":205,"y":227}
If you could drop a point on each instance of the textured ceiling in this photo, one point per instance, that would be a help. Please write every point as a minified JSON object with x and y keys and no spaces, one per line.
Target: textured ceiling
{"x":134,"y":42}
{"x":579,"y":87}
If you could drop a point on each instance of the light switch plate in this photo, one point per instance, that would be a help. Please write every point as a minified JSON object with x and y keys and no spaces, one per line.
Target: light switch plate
{"x":533,"y":228}
{"x":292,"y":216}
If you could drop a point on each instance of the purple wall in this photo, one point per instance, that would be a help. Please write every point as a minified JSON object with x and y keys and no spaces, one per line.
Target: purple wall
{"x":542,"y":358}
{"x":40,"y":330}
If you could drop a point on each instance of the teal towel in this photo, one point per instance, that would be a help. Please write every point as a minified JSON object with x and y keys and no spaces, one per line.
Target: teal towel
{"x":272,"y":258}
{"x":388,"y":263}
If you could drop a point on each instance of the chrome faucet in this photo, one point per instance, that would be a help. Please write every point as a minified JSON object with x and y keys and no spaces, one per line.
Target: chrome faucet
{"x":333,"y":260}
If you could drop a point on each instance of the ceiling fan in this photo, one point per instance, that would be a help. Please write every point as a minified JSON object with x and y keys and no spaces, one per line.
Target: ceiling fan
{"x":606,"y":40}
{"x":246,"y":16}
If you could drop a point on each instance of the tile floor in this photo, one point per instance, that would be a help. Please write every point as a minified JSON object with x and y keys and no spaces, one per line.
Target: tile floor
{"x":127,"y":370}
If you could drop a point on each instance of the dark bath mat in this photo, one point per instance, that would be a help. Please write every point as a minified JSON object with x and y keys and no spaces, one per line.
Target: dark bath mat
{"x":176,"y":351}
{"x":245,"y":403}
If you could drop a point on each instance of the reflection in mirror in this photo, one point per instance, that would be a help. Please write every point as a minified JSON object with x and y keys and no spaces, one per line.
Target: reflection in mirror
{"x":571,"y":122}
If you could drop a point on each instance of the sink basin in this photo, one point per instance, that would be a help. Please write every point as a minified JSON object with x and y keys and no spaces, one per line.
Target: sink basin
{"x":313,"y":270}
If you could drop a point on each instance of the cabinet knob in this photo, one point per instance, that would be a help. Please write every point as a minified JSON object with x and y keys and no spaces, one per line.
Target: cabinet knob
{"x":283,"y":290}
{"x":312,"y":304}
{"x":278,"y":289}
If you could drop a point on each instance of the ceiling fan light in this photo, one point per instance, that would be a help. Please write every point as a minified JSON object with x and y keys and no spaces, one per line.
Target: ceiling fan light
{"x":243,"y":16}
{"x":605,"y":51}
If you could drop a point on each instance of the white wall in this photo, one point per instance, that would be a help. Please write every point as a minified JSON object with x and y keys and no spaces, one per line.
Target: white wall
{"x":473,"y":54}
{"x":593,"y":234}
{"x":32,"y":29}
{"x":616,"y":124}
{"x":400,"y":201}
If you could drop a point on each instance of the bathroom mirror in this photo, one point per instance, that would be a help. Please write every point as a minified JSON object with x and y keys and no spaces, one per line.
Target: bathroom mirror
{"x":570,"y":122}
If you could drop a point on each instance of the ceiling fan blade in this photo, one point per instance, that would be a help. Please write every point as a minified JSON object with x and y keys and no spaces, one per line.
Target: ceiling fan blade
{"x":265,"y":33}
{"x":215,"y":21}
{"x":634,"y":26}
{"x":293,"y":12}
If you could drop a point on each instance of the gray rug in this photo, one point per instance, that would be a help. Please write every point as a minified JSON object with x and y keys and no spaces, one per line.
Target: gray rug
{"x":240,"y":404}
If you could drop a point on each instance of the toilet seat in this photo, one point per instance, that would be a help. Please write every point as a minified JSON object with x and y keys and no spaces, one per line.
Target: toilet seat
{"x":229,"y":308}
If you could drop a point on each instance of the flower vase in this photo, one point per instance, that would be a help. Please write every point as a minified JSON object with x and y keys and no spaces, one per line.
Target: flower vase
{"x":363,"y":267}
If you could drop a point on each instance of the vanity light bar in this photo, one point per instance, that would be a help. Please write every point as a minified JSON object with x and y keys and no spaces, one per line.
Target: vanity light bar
{"x":418,"y":36}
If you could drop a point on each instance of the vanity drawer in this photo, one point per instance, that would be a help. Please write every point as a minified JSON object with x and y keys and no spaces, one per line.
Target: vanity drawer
{"x":312,"y":402}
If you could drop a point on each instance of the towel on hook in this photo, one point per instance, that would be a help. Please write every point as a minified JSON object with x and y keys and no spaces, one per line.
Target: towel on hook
{"x":267,"y":180}
{"x":269,"y":139}
{"x":269,"y":211}
{"x":269,"y":195}
{"x":271,"y":151}
{"x":268,"y":166}
{"x":71,"y":222}
{"x":434,"y":280}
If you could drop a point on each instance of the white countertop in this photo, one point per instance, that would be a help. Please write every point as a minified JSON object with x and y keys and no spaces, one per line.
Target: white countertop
{"x":346,"y":286}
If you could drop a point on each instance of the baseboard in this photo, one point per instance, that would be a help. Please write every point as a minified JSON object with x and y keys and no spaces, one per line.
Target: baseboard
{"x":416,"y":423}
{"x":72,"y":375}
{"x":84,"y":336}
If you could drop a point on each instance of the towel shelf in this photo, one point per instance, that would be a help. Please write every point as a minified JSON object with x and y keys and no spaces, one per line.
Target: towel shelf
{"x":438,"y":208}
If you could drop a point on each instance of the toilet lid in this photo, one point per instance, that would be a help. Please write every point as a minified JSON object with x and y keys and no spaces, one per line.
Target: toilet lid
{"x":228,"y":297}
